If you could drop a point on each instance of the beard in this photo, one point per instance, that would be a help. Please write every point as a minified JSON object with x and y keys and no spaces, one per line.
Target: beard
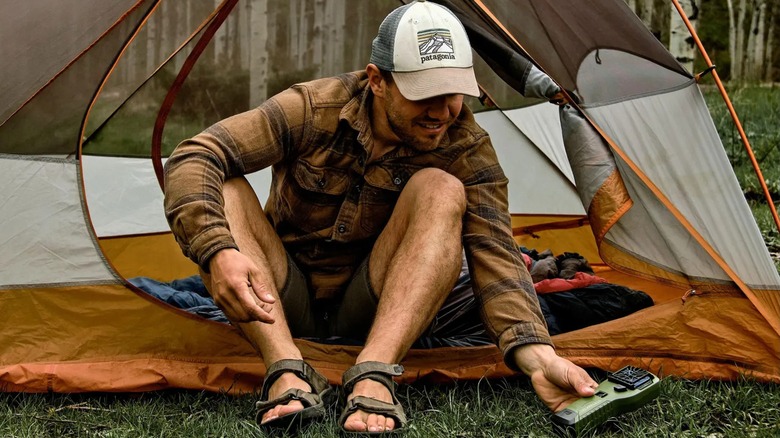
{"x":404,"y":128}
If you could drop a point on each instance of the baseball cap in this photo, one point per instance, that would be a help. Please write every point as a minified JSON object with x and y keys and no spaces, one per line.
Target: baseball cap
{"x":427,"y":50}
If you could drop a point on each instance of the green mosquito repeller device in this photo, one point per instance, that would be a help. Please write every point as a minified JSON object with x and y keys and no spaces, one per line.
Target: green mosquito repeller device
{"x":625,"y":390}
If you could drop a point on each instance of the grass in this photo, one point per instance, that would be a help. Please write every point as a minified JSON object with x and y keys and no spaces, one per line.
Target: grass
{"x":496,"y":408}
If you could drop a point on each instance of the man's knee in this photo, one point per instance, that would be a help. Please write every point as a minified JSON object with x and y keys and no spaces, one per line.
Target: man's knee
{"x":437,"y":187}
{"x":240,"y":201}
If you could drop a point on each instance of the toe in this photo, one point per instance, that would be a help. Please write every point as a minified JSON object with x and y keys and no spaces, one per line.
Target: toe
{"x":355,"y":423}
{"x":281,"y":410}
{"x":375,"y":423}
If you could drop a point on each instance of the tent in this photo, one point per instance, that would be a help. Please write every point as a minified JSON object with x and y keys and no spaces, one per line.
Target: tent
{"x":94,"y":94}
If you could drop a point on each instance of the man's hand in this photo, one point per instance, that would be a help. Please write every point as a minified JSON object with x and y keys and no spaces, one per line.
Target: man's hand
{"x":239,"y":288}
{"x":557,"y":381}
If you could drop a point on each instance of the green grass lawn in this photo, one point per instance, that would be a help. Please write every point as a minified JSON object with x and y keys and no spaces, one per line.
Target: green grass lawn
{"x":496,"y":408}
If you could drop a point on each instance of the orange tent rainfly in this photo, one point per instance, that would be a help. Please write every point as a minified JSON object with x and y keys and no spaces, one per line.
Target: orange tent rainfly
{"x":633,"y":176}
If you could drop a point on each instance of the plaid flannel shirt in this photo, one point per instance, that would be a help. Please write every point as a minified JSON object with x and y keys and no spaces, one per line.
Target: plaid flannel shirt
{"x":328,"y":205}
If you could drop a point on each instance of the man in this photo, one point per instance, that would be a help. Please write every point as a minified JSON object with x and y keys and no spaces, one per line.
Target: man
{"x":381,"y":179}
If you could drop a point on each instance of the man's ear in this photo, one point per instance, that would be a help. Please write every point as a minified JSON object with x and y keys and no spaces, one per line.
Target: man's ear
{"x":375,"y":80}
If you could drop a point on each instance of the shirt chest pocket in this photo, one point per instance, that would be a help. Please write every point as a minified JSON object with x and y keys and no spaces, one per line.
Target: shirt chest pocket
{"x":315,"y":194}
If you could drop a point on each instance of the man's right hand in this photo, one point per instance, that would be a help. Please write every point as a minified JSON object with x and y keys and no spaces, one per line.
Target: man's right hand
{"x":239,"y":288}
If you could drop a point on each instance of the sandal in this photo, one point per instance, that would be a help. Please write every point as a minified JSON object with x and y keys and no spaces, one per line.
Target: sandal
{"x":313,"y":402}
{"x":382,"y":373}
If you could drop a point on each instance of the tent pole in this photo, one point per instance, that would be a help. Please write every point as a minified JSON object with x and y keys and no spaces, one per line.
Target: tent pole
{"x":223,"y":11}
{"x":733,"y":112}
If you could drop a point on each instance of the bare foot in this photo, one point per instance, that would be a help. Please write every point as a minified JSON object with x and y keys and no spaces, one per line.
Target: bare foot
{"x":362,"y":421}
{"x":282,"y":384}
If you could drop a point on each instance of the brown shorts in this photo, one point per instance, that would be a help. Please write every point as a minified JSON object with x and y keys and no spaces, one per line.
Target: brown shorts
{"x":457,"y":322}
{"x":350,"y":318}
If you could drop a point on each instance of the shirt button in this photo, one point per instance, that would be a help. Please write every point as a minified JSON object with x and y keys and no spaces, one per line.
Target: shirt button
{"x":361,"y":161}
{"x":321,"y":183}
{"x":397,"y":181}
{"x":357,"y":188}
{"x":342,"y":228}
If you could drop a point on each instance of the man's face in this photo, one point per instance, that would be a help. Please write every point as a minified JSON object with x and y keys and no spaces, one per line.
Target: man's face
{"x":421,"y":124}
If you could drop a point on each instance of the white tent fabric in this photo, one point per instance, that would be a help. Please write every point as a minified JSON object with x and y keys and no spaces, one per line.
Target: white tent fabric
{"x":531,"y":169}
{"x":46,"y":239}
{"x":708,"y":195}
{"x":124,"y":198}
{"x":607,"y":75}
{"x":542,"y":124}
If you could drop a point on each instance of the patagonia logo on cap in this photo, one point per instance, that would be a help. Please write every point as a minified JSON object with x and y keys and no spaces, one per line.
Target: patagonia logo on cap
{"x":435,"y":44}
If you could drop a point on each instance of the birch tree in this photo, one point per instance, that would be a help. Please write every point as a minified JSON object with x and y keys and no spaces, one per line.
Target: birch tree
{"x":317,"y":36}
{"x":737,"y":38}
{"x":681,"y":45}
{"x":293,"y":20}
{"x":756,"y":40}
{"x":648,"y":8}
{"x":333,"y":37}
{"x":304,"y":46}
{"x":770,"y":40}
{"x":258,"y":53}
{"x":359,"y":28}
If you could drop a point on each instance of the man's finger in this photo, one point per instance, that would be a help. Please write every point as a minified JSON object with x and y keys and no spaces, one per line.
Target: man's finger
{"x":255,"y":285}
{"x":235,"y":312}
{"x":257,"y":310}
{"x":584,"y":384}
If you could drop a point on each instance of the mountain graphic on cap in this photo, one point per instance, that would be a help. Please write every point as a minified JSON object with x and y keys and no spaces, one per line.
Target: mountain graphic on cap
{"x":435,"y":41}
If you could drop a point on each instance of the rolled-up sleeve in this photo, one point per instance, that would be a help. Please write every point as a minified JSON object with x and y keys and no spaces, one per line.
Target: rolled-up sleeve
{"x":198,"y":168}
{"x":501,"y":282}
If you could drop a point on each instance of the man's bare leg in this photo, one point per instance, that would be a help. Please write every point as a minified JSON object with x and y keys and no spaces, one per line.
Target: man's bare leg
{"x":258,"y":241}
{"x":413,"y":267}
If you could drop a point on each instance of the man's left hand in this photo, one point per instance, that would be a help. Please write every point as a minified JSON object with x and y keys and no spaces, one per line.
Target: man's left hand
{"x":557,"y":381}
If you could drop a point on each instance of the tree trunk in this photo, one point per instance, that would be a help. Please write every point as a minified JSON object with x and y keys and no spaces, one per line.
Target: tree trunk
{"x":770,"y":43}
{"x":648,"y":8}
{"x":318,"y":36}
{"x":304,"y":47}
{"x":738,"y":62}
{"x":333,"y":38}
{"x":245,"y":34}
{"x":170,"y":34}
{"x":681,"y":43}
{"x":361,"y":34}
{"x":258,"y":53}
{"x":758,"y":32}
{"x":293,"y":34}
{"x":732,"y":40}
{"x":155,"y":41}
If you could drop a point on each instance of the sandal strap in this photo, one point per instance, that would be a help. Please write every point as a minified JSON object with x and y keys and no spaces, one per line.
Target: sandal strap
{"x":319,"y":384}
{"x":306,"y":398}
{"x":377,"y":371}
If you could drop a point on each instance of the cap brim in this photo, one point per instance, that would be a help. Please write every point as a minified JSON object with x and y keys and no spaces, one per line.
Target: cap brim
{"x":422,"y":84}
